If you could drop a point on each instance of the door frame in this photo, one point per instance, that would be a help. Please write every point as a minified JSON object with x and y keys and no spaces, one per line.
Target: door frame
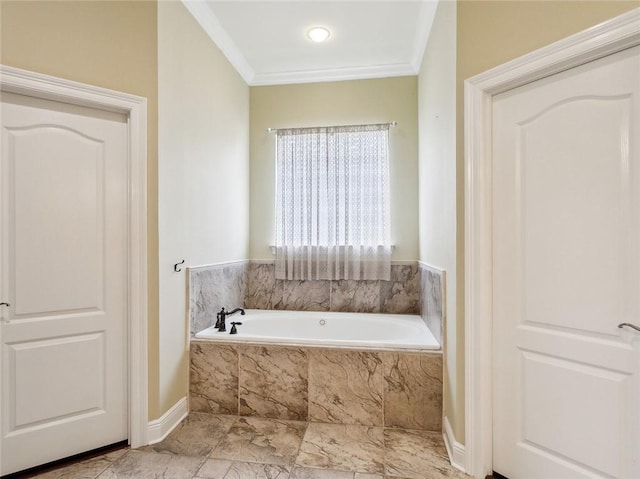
{"x":14,"y":80}
{"x":607,"y":38}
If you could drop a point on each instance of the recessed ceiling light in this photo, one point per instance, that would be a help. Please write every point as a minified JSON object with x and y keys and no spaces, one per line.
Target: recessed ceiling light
{"x":318,"y":34}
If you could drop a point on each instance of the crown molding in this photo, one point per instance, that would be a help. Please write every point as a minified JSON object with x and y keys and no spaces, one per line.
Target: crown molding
{"x":425,"y":21}
{"x":213,"y":28}
{"x":334,"y":74}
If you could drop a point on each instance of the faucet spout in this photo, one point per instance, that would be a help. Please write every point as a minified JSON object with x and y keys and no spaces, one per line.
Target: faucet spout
{"x":221,"y":318}
{"x":235,"y":311}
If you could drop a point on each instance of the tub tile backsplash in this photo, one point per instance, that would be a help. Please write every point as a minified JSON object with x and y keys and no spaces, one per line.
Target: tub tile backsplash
{"x":413,"y":289}
{"x":432,"y":293}
{"x":265,"y":292}
{"x":401,"y":295}
{"x":273,"y":382}
{"x":305,"y":295}
{"x":214,"y":287}
{"x":355,"y":296}
{"x":340,"y":379}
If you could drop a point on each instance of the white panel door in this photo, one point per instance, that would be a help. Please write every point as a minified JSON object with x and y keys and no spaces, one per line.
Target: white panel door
{"x":566,"y":273}
{"x":63,"y":188}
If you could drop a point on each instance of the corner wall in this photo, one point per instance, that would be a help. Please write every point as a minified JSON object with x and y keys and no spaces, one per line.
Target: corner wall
{"x":437,"y":182}
{"x":203,"y":176}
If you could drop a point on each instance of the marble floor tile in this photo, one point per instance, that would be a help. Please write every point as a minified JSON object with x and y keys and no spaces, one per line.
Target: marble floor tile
{"x":359,"y":475}
{"x":87,"y":469}
{"x":269,"y":441}
{"x":246,"y":470}
{"x":343,"y":447}
{"x":214,"y":469}
{"x":152,"y":465}
{"x":340,"y":379}
{"x":311,"y":473}
{"x":196,"y":435}
{"x":417,"y":455}
{"x":273,"y":382}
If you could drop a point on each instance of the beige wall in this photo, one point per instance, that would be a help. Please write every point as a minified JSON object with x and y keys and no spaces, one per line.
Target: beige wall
{"x":203,"y":175}
{"x":489,"y":34}
{"x":108,"y":44}
{"x":437,"y":177}
{"x":337,"y":103}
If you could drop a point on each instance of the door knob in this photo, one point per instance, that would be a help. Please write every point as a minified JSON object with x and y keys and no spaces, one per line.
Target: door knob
{"x":5,"y":304}
{"x":632,"y":326}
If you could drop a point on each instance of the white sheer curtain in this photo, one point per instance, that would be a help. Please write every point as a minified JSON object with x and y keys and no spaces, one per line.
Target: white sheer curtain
{"x":332,"y":203}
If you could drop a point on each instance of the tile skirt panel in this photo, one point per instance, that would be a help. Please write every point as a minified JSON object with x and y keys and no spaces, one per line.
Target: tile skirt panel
{"x":368,"y":388}
{"x":273,"y":382}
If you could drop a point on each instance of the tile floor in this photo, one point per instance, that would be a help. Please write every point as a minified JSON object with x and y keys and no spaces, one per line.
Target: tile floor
{"x":206,"y":446}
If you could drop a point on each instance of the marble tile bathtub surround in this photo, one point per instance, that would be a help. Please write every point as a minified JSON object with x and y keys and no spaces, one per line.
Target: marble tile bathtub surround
{"x":414,"y":288}
{"x":339,"y":386}
{"x":413,"y":391}
{"x":213,"y":385}
{"x":400,"y":295}
{"x":214,"y":287}
{"x":345,"y":387}
{"x":273,"y":382}
{"x":432,"y":294}
{"x":353,"y":296}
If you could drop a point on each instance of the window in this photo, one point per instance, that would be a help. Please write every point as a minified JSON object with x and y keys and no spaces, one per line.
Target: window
{"x":332,"y":203}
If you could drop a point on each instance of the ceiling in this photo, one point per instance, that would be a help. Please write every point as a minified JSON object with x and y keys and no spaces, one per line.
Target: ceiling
{"x":266,"y":40}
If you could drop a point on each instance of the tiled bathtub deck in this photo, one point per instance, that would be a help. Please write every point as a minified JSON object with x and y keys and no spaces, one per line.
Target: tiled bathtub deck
{"x":207,"y":446}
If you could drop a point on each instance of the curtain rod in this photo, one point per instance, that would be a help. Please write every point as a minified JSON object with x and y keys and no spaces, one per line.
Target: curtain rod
{"x":273,"y":130}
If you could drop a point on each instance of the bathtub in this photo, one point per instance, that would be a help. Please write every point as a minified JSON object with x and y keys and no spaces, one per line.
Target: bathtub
{"x":327,"y":329}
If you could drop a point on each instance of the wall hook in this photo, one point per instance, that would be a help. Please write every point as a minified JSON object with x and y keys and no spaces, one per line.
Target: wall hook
{"x":175,"y":266}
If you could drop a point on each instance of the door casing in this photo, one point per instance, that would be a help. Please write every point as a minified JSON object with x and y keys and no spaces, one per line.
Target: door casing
{"x":46,"y":87}
{"x":610,"y":37}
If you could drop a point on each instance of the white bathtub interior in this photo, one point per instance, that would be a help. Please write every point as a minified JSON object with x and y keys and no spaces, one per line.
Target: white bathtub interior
{"x":328,"y":329}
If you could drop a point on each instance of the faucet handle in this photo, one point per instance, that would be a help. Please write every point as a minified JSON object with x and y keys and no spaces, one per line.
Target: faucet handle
{"x":233,"y":327}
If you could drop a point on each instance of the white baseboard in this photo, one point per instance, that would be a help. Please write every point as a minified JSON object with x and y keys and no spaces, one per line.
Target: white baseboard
{"x":160,"y":428}
{"x":454,"y":448}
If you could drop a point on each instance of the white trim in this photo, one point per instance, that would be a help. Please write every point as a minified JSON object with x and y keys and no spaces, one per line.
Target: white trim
{"x":431,"y":267}
{"x":160,"y":428}
{"x":333,"y":74}
{"x":605,"y":39}
{"x":212,"y":27}
{"x":217,"y":265}
{"x":456,"y":451}
{"x":135,"y":108}
{"x":426,"y":16}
